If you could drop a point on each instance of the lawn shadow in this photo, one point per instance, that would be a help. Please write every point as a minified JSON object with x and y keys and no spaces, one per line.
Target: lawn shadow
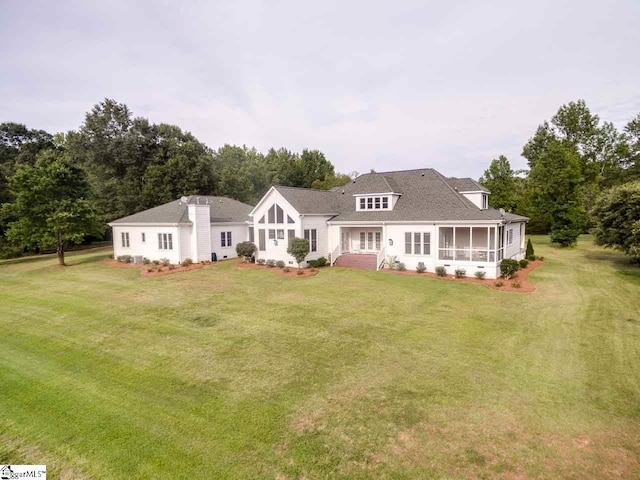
{"x":621,"y":263}
{"x":49,"y":256}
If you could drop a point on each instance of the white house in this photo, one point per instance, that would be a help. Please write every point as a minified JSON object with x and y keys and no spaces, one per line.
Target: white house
{"x":409,"y":216}
{"x":196,"y":227}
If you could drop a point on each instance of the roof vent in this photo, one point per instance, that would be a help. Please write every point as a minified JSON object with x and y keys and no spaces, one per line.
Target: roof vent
{"x":343,"y":191}
{"x":501,"y":212}
{"x":353,"y":181}
{"x":422,"y":174}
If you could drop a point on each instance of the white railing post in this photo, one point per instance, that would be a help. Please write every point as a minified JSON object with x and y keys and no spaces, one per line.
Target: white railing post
{"x":380,"y":257}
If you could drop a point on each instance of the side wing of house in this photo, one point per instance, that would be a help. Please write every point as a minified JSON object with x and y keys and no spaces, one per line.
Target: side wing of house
{"x":151,"y":241}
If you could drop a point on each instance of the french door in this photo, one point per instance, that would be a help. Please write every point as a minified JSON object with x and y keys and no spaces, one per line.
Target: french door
{"x":370,"y":241}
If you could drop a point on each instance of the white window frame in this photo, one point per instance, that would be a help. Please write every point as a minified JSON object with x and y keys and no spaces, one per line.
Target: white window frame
{"x":225,"y":239}
{"x":311,"y":235}
{"x":510,"y":236}
{"x":165,"y":241}
{"x":418,"y":238}
{"x":124,"y":237}
{"x":373,"y":203}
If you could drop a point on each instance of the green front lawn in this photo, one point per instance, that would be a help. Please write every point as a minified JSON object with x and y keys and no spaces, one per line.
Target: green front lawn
{"x":226,"y":372}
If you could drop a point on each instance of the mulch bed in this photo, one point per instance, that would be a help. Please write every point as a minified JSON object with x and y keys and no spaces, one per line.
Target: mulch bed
{"x":293,"y":272}
{"x":158,"y":270}
{"x":521,"y":276}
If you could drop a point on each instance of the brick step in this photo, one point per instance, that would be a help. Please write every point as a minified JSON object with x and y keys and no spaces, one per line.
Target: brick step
{"x":364,"y":262}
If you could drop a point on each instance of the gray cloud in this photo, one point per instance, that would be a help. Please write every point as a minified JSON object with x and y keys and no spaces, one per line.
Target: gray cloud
{"x":373,"y":84}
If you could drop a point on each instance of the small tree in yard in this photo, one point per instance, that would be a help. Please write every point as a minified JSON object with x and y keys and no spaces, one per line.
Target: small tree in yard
{"x":245,"y":250}
{"x":50,"y":209}
{"x":299,"y":249}
{"x":530,"y":254}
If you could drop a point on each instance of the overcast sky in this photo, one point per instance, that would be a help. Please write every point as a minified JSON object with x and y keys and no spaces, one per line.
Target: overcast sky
{"x":374,"y":84}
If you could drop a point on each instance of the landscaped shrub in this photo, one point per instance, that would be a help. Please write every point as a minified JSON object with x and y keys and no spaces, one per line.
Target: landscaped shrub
{"x":523,"y":263}
{"x":499,"y":283}
{"x":441,"y":271}
{"x":300,"y":272}
{"x":460,"y":273}
{"x":314,"y":269}
{"x":280,"y":264}
{"x":515,"y":284}
{"x":321,"y":262}
{"x":312,"y":263}
{"x":299,"y":249}
{"x":146,"y":261}
{"x":245,"y":250}
{"x":164,"y":262}
{"x":186,"y":262}
{"x":156,"y":262}
{"x":421,"y":268}
{"x":270,"y":263}
{"x":508,"y":267}
{"x":401,"y":267}
{"x":540,"y":258}
{"x":480,"y":274}
{"x":530,"y":254}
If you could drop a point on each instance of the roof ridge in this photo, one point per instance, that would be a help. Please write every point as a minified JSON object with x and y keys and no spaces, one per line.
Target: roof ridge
{"x":457,"y":194}
{"x":399,"y":171}
{"x":304,"y":188}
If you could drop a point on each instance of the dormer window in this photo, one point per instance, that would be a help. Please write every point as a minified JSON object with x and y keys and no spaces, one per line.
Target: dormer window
{"x":373,"y":202}
{"x":485,"y":201}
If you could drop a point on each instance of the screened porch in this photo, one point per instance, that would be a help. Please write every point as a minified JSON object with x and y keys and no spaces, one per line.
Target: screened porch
{"x":471,"y":244}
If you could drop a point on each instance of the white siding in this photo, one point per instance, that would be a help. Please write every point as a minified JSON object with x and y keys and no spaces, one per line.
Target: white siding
{"x":516,"y":248}
{"x":149,"y":248}
{"x":239,"y":233}
{"x":276,"y":250}
{"x":185,"y":241}
{"x":201,"y":233}
{"x":475,"y":197}
{"x":395,"y":233}
{"x":319,"y":223}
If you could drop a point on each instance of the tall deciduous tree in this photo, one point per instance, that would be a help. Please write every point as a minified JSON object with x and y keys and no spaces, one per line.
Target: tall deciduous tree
{"x":554,"y":188}
{"x":500,"y":180}
{"x":50,"y":210}
{"x":616,"y":215}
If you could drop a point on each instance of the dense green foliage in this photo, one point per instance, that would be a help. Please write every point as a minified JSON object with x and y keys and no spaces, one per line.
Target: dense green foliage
{"x":509,"y":266}
{"x":51,"y":208}
{"x":132,"y":164}
{"x":603,"y":158}
{"x":555,"y":192}
{"x":616,"y":216}
{"x":246,"y":250}
{"x":298,"y":248}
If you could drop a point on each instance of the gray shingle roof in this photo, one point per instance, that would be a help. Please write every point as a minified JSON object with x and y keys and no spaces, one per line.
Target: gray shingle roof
{"x":426,"y":195}
{"x":222,"y":209}
{"x":310,"y":201}
{"x":466,"y":185}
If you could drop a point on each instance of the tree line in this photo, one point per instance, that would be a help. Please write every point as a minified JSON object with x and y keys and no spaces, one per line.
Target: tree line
{"x":118,"y":164}
{"x":583,"y":174}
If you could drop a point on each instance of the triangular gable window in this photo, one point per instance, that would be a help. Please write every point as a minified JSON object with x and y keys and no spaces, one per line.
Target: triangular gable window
{"x":261,"y":220}
{"x":289,"y":219}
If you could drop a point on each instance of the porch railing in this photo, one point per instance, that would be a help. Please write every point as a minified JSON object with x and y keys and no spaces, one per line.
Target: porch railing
{"x":380,"y":258}
{"x":333,"y":256}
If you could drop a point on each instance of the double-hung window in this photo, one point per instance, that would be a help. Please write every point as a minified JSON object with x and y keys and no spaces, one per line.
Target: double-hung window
{"x":312,"y":236}
{"x":417,"y":243}
{"x":125,"y":239}
{"x":165,"y":241}
{"x":225,"y":239}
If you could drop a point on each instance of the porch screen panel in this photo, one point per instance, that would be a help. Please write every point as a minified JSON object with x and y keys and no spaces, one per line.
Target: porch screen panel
{"x":445,"y":243}
{"x":492,"y":244}
{"x":480,"y":244}
{"x":463,"y":243}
